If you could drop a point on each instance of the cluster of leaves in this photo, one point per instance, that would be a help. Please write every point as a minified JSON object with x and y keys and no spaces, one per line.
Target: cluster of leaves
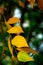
{"x":18,"y":41}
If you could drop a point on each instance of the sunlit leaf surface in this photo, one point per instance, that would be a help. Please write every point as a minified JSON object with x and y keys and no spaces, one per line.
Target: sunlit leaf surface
{"x":13,"y":20}
{"x":19,"y":41}
{"x":16,"y":30}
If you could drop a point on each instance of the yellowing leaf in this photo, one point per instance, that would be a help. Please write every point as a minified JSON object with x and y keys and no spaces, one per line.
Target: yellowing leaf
{"x":24,"y":57}
{"x":13,"y":20}
{"x":8,"y":26}
{"x":15,"y":30}
{"x":27,"y":49}
{"x":21,"y":4}
{"x":19,"y":41}
{"x":40,"y":4}
{"x":10,"y":48}
{"x":32,"y":2}
{"x":9,"y":45}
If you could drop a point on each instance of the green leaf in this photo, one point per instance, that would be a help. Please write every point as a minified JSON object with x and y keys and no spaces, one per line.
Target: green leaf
{"x":24,"y":57}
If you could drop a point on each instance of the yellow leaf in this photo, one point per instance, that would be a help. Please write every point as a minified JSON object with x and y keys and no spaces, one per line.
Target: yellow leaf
{"x":19,"y":41}
{"x":8,"y":26}
{"x":21,"y":4}
{"x":27,"y":49}
{"x":24,"y":57}
{"x":32,"y":2}
{"x":10,"y":48}
{"x":13,"y":20}
{"x":15,"y":30}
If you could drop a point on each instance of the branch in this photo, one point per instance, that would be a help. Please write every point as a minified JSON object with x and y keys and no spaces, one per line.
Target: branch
{"x":2,"y":32}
